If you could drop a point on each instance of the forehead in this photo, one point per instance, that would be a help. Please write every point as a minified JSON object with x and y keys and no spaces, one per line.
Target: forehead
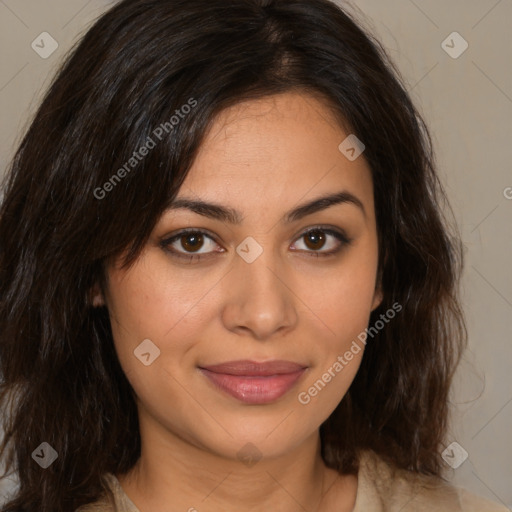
{"x":276,"y":150}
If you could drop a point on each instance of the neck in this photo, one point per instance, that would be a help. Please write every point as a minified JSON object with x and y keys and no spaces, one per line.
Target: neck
{"x":172,"y":470}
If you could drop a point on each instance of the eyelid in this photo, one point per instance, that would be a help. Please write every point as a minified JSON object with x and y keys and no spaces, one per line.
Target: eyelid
{"x":337,"y":233}
{"x":168,"y":240}
{"x":184,"y":231}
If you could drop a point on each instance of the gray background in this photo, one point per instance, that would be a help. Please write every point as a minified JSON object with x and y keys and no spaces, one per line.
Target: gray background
{"x":467,"y":103}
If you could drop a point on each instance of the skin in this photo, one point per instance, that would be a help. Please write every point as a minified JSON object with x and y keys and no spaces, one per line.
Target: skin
{"x":263,"y":158}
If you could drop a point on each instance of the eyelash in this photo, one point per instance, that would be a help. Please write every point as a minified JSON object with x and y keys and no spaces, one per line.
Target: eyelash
{"x":190,"y":257}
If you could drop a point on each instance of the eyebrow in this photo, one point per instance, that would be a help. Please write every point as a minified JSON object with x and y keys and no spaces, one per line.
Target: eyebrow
{"x":231,"y":216}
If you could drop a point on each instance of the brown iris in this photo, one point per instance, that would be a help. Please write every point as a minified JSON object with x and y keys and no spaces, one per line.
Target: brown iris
{"x":315,"y":239}
{"x":192,"y":241}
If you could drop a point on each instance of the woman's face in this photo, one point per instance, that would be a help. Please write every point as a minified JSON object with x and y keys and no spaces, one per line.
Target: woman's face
{"x":256,"y":290}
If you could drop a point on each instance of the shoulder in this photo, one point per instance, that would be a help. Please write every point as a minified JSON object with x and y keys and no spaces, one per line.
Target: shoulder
{"x":105,"y":503}
{"x":97,"y":506}
{"x":382,"y":488}
{"x":102,"y":505}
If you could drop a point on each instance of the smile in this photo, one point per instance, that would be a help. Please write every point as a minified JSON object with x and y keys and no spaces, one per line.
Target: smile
{"x":254,"y":383}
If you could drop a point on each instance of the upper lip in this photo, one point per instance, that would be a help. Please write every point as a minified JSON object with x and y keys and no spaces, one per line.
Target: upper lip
{"x":253,"y":368}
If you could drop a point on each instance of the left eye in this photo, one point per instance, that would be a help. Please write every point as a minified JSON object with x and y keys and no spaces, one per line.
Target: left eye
{"x":193,"y":241}
{"x":316,"y":238}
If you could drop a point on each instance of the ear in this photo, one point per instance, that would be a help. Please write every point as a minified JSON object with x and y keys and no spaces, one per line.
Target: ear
{"x":96,"y":298}
{"x":377,"y":297}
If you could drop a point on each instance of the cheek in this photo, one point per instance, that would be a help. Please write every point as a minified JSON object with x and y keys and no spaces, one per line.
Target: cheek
{"x":343,"y":299}
{"x":151,"y":300}
{"x":145,"y":304}
{"x":342,"y":307}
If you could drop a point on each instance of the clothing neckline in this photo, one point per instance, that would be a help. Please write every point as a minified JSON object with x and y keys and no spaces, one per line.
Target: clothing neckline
{"x":125,"y":504}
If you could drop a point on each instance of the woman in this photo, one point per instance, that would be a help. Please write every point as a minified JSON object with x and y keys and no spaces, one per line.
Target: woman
{"x":226,"y":282}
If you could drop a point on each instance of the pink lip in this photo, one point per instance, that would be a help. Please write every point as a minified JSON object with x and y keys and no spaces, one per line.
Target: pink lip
{"x":252,"y":382}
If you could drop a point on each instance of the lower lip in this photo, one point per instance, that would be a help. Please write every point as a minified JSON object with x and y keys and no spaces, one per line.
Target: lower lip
{"x":254,"y":390}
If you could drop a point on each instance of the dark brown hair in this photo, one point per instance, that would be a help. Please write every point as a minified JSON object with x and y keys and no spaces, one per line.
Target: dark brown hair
{"x":138,"y":64}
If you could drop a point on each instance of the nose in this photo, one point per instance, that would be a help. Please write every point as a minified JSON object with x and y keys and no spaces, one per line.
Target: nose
{"x":260,"y":301}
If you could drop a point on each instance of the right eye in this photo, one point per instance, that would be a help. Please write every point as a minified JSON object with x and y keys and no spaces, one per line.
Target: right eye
{"x":187,"y":244}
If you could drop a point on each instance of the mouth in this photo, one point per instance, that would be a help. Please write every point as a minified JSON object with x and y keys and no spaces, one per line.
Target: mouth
{"x":254,"y":383}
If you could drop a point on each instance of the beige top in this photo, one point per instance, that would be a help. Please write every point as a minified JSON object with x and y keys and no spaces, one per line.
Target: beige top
{"x":380,"y":489}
